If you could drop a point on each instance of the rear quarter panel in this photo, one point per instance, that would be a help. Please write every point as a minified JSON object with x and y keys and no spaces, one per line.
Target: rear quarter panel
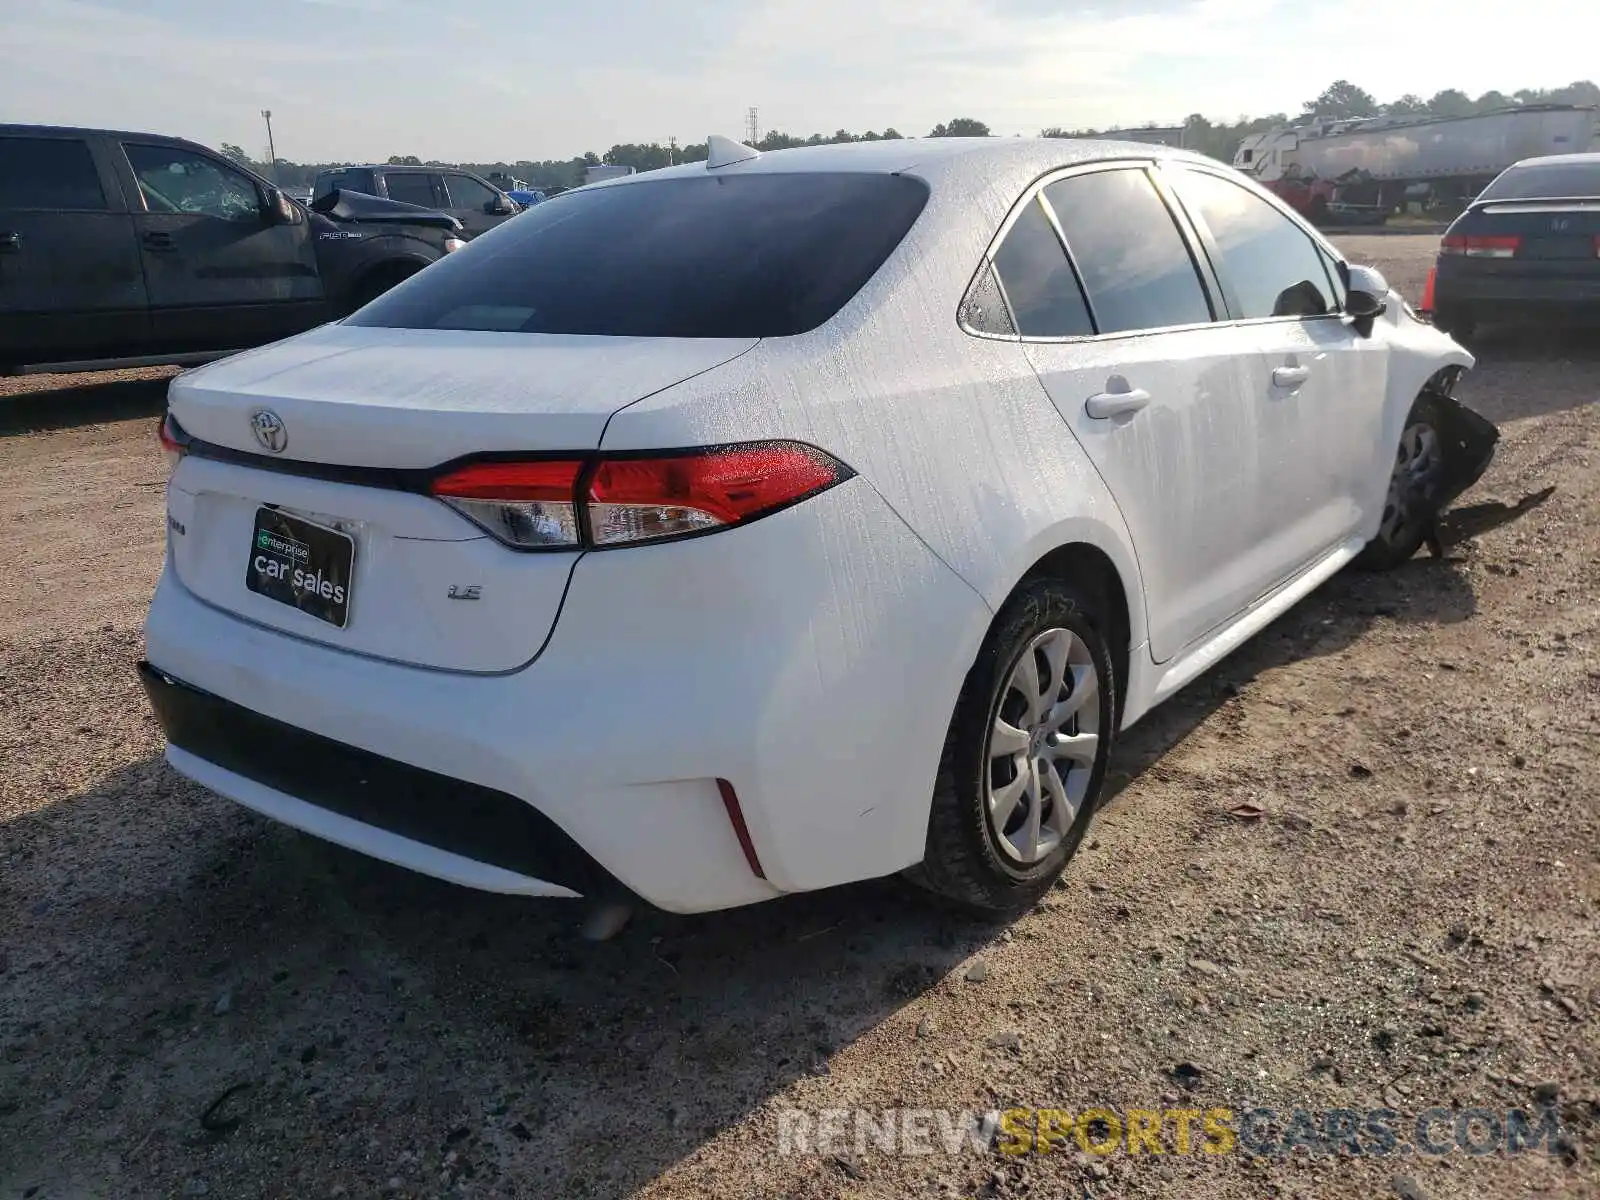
{"x":954,"y":431}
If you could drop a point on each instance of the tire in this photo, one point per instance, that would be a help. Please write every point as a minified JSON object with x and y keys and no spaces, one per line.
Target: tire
{"x":970,"y":860}
{"x":1408,"y":516}
{"x":378,"y":281}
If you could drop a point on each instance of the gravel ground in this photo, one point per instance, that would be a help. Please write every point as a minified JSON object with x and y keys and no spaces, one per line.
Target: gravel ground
{"x":1355,"y":867}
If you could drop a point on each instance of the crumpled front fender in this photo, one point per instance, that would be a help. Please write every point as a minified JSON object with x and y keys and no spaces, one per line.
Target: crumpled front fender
{"x":1467,"y":442}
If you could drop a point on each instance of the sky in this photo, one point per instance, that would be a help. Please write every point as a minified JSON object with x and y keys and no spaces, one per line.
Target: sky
{"x":506,"y":80}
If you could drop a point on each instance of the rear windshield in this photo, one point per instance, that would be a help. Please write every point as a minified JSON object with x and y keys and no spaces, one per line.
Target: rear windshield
{"x":1556,"y":181}
{"x":761,"y":255}
{"x":350,"y":181}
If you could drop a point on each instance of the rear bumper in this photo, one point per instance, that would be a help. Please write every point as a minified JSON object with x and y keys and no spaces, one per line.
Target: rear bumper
{"x":1486,"y":294}
{"x":403,"y":814}
{"x":811,"y":660}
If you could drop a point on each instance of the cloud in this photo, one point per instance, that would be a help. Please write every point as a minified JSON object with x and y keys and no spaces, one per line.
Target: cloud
{"x":358,"y":79}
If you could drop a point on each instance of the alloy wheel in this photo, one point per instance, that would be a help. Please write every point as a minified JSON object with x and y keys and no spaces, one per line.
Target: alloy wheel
{"x":1043,"y":746}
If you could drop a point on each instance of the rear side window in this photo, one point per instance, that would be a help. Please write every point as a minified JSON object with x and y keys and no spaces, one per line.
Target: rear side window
{"x":1271,"y":266}
{"x":1550,"y":181}
{"x":1038,"y":280}
{"x":349,"y":181}
{"x":758,"y":255}
{"x":49,"y":173}
{"x":1135,"y":265}
{"x":410,"y":187}
{"x":983,"y":310}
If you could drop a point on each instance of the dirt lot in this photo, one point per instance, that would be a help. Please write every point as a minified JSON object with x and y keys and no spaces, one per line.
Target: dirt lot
{"x":1410,"y":922}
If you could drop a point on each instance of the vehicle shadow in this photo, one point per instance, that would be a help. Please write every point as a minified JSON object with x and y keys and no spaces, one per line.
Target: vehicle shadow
{"x":189,"y":947}
{"x":57,"y":403}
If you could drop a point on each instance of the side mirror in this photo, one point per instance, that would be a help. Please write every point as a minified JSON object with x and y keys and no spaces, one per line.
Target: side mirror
{"x":501,"y":206}
{"x":1366,"y":292}
{"x":279,"y":209}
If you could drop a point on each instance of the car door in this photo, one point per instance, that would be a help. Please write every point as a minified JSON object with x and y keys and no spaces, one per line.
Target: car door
{"x":475,"y":204}
{"x":70,"y":281}
{"x":222,"y":270}
{"x":1117,"y":319}
{"x":1316,"y":384}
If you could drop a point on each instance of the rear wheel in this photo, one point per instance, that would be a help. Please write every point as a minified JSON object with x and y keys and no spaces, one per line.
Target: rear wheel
{"x":1408,"y":509}
{"x":1025,"y":757}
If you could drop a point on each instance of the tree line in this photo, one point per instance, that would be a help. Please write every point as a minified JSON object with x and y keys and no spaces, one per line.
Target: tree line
{"x":1341,"y":99}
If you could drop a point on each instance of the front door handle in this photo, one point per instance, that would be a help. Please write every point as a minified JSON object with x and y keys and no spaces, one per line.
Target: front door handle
{"x":157,"y":240}
{"x":1117,"y":404}
{"x":1288,"y":377}
{"x":10,"y":242}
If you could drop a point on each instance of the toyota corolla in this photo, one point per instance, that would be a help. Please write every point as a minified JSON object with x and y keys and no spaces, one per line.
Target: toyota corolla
{"x":772,"y":522}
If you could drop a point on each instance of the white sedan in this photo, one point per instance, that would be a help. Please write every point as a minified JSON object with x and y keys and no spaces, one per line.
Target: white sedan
{"x":759,"y":525}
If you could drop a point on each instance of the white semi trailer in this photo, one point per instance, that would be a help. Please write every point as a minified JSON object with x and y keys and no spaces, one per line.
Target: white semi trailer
{"x":1351,"y":168}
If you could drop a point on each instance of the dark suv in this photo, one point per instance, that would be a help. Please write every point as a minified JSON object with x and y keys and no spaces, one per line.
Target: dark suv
{"x":118,"y":249}
{"x":475,"y":202}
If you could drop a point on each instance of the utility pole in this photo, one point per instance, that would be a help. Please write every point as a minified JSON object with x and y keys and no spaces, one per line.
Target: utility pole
{"x":672,"y":151}
{"x":752,"y":128}
{"x":272,"y":154}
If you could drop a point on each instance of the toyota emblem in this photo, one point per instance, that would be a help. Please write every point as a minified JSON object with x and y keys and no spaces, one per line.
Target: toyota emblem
{"x":269,"y":430}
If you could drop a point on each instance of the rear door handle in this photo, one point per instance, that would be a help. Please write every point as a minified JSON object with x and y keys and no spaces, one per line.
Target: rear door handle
{"x":1117,"y":404}
{"x":1287,"y":377}
{"x":157,"y":240}
{"x":10,"y":242}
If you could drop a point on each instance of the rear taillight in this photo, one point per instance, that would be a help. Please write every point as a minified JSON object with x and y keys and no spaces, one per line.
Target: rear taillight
{"x":524,"y":504}
{"x":1471,"y":245}
{"x":172,"y":441}
{"x":628,"y":500}
{"x":646,"y":499}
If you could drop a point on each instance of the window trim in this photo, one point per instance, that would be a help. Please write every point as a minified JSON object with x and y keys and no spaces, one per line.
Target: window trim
{"x":214,"y":159}
{"x":112,"y":203}
{"x":1035,"y":190}
{"x":1324,"y":249}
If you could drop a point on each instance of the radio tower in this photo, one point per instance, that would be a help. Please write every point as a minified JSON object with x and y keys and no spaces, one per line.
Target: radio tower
{"x":752,"y":130}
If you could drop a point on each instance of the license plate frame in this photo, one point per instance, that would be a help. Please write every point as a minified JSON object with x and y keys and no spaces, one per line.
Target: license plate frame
{"x":302,"y":564}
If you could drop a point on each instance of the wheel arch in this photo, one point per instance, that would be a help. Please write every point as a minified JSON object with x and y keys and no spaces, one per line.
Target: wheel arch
{"x":1090,"y":568}
{"x":1110,"y":576}
{"x":393,"y":267}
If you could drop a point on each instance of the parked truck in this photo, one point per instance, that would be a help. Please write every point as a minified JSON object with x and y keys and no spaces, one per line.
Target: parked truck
{"x":1359,"y":171}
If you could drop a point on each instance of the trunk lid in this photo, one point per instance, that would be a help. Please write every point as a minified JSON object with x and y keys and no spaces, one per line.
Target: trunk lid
{"x":1554,"y":237}
{"x":372,"y":397}
{"x":391,"y":573}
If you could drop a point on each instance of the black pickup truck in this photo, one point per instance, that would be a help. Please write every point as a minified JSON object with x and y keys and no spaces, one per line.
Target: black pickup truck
{"x":127,"y":249}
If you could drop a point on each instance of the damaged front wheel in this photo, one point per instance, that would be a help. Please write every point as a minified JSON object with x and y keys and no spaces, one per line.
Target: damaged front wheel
{"x":1444,"y":449}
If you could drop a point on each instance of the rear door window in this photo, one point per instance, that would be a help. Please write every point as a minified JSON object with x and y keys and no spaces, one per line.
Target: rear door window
{"x":705,"y":256}
{"x":49,"y":173}
{"x":1269,"y":264}
{"x":1039,"y":284}
{"x":1136,"y":266}
{"x":354,"y":180}
{"x":410,"y":187}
